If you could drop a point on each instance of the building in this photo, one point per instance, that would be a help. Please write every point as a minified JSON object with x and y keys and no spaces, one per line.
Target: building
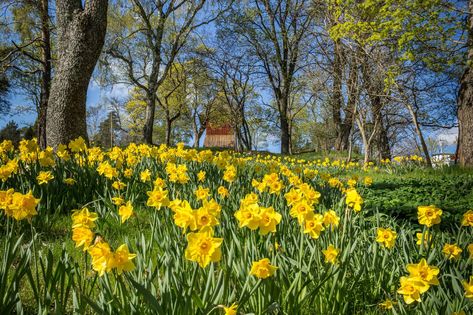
{"x":221,"y":136}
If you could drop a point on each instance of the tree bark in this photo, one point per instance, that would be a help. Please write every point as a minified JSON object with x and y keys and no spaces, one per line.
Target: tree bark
{"x":149,"y":117}
{"x":285,"y":132}
{"x":381,"y":138}
{"x":169,"y":121}
{"x":43,"y":7}
{"x":337,"y":99}
{"x":81,"y":34}
{"x":346,"y":126}
{"x":465,"y":102}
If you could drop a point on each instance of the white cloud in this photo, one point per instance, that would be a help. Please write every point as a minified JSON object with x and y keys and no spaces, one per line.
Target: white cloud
{"x":448,"y":136}
{"x":119,"y":90}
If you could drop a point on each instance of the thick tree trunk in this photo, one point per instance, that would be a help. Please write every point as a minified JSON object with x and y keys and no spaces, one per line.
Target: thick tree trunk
{"x":465,"y":103}
{"x":81,"y":33}
{"x":285,"y":136}
{"x":45,"y":74}
{"x":246,"y":134}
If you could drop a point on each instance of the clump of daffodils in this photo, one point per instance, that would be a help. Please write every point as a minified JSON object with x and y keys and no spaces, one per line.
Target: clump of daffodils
{"x":17,"y":205}
{"x":254,"y":216}
{"x":353,"y":199}
{"x":421,"y":277}
{"x":103,"y":258}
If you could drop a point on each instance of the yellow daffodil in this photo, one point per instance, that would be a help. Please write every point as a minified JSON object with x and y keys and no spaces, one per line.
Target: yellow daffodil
{"x":331,"y":254}
{"x":223,"y":192}
{"x":145,"y":176}
{"x":313,"y":225}
{"x":231,"y":310}
{"x":101,"y":257}
{"x":452,"y":251}
{"x":125,"y":211}
{"x":411,"y":289}
{"x":468,"y":218}
{"x":427,"y":238}
{"x":331,"y":219}
{"x":157,"y":198}
{"x":83,"y":218}
{"x":262,"y":269}
{"x":83,"y":237}
{"x":468,"y":286}
{"x":424,"y":272}
{"x":203,"y":248}
{"x":429,"y":215}
{"x":386,"y":237}
{"x":44,"y":177}
{"x":353,"y":199}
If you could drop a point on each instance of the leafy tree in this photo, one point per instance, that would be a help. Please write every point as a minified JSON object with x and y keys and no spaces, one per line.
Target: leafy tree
{"x":145,"y":39}
{"x":29,"y":57}
{"x":108,"y":132}
{"x":277,"y":33}
{"x":11,"y":132}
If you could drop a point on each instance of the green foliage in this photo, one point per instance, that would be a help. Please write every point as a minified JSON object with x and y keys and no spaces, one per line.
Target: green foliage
{"x":106,"y":136}
{"x":400,"y":194}
{"x":413,"y":30}
{"x":11,"y":132}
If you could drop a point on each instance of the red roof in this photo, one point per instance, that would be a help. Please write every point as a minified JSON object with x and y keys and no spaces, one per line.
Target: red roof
{"x":223,"y":130}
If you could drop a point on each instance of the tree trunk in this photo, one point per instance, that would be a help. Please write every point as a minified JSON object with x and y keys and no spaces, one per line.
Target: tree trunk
{"x":337,"y":98}
{"x":285,"y":132}
{"x":45,"y":74}
{"x":168,"y":131}
{"x":346,"y":126}
{"x":381,"y":138}
{"x":149,"y":117}
{"x":415,"y":121}
{"x":465,"y":102}
{"x":195,"y":131}
{"x":364,"y":139}
{"x":81,"y":33}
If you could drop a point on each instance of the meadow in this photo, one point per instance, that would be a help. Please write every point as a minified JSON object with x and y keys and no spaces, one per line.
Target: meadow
{"x":171,"y":230}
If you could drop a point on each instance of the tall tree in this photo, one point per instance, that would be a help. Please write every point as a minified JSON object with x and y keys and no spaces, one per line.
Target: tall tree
{"x":30,"y":55}
{"x":81,"y":31}
{"x":277,"y":32}
{"x":146,"y":39}
{"x":107,"y":133}
{"x":172,"y":97}
{"x":202,"y":103}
